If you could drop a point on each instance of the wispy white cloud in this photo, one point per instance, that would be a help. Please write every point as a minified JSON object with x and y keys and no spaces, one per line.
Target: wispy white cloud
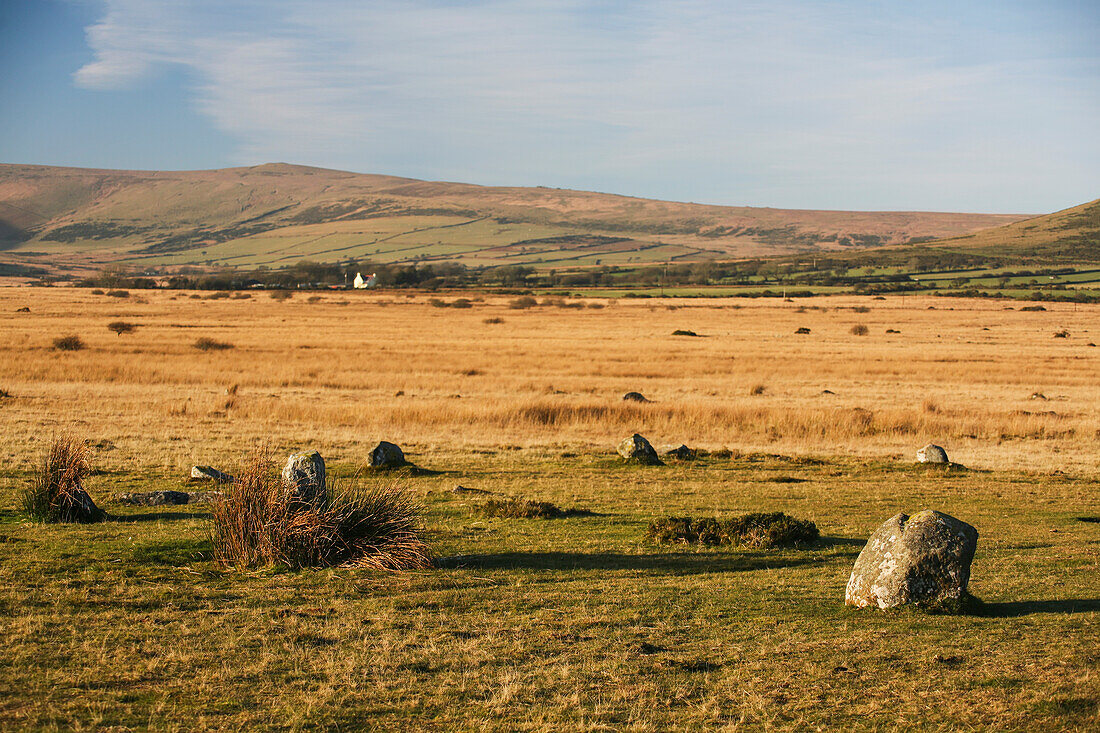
{"x":795,"y":102}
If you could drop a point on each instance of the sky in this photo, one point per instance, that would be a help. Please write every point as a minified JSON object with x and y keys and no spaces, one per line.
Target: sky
{"x":980,"y":105}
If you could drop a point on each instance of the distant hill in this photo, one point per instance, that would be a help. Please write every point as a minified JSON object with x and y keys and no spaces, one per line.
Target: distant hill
{"x":278,"y":214}
{"x":1070,"y":235}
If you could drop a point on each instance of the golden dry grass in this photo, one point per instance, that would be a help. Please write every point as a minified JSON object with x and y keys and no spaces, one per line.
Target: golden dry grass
{"x":353,"y":368}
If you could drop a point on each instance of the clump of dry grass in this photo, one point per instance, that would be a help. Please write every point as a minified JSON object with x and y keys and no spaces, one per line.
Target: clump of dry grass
{"x":68,"y":343}
{"x":260,"y":523}
{"x":209,"y":344}
{"x":758,"y":389}
{"x":282,"y":295}
{"x":859,"y":330}
{"x":56,"y":492}
{"x":757,"y":530}
{"x":494,"y":320}
{"x":521,"y":303}
{"x":930,"y":406}
{"x":118,"y":293}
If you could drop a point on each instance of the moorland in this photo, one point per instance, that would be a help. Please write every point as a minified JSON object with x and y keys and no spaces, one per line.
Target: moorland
{"x":578,"y":622}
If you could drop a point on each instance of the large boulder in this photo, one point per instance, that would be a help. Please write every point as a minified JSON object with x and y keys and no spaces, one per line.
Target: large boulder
{"x":923,"y":560}
{"x":209,"y":473}
{"x":932,"y":453}
{"x":387,"y":455}
{"x":304,"y":476}
{"x":637,"y":449}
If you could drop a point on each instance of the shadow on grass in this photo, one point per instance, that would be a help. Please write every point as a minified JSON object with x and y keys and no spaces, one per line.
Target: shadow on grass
{"x":663,"y":563}
{"x":842,"y":542}
{"x":1012,"y":609}
{"x":158,"y":516}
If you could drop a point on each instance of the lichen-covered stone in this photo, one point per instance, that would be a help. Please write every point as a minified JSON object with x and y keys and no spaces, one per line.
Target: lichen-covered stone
{"x":932,"y":453}
{"x":304,"y":475}
{"x":210,"y":473}
{"x":637,"y":449}
{"x":923,"y":559}
{"x":387,"y":455}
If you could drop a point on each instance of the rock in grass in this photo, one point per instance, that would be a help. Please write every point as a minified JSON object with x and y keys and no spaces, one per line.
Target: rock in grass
{"x":637,"y":449}
{"x":304,"y":475}
{"x":387,"y":455}
{"x":153,"y":498}
{"x":932,"y":453}
{"x":634,"y":397}
{"x":683,"y":453}
{"x":921,"y":560}
{"x":211,"y":474}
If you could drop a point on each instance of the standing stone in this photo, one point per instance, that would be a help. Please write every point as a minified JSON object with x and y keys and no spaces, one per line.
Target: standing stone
{"x":387,"y":455}
{"x":924,"y":559}
{"x":637,"y":449}
{"x":932,"y":454}
{"x":304,"y":475}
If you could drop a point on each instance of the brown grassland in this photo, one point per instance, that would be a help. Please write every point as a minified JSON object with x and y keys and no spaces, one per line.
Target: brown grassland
{"x":568,"y":623}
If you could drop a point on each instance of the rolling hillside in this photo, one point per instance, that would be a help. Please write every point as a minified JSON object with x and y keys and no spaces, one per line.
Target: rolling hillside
{"x":277,"y":214}
{"x":1070,"y":235}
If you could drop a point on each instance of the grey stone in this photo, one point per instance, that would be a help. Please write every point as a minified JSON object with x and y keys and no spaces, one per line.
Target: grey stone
{"x":153,"y":498}
{"x":637,"y":449}
{"x":932,"y":453}
{"x":304,"y":475}
{"x":682,"y":453}
{"x":210,"y":473}
{"x":634,"y":397}
{"x":923,"y":559}
{"x":387,"y":455}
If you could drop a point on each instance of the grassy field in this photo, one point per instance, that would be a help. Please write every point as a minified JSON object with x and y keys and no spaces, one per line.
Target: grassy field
{"x":573,"y":623}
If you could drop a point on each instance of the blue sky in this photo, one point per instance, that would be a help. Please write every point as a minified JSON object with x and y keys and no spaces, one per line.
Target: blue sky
{"x":983,"y":105}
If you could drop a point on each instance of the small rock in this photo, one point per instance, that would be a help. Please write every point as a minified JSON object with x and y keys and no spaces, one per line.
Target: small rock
{"x":467,"y":490}
{"x":637,"y":449}
{"x":634,"y":397}
{"x":802,"y":330}
{"x":24,"y":309}
{"x":304,"y":475}
{"x":153,"y":498}
{"x":387,"y":455}
{"x":932,"y":453}
{"x":683,"y":453}
{"x":210,"y":473}
{"x":827,"y":391}
{"x":923,"y":560}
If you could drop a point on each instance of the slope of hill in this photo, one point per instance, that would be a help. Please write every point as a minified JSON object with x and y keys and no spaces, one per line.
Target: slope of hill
{"x":1070,"y":235}
{"x":278,"y":214}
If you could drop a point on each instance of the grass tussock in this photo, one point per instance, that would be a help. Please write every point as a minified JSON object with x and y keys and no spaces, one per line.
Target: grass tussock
{"x":758,"y":530}
{"x":260,"y":523}
{"x":56,"y":493}
{"x":209,"y":344}
{"x":69,"y":343}
{"x":520,"y":508}
{"x":859,"y":330}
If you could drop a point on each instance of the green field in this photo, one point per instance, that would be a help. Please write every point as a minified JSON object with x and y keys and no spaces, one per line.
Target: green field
{"x":577,"y":623}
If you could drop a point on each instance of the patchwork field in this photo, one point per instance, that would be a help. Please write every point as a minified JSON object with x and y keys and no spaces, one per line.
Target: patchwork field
{"x":572,"y":623}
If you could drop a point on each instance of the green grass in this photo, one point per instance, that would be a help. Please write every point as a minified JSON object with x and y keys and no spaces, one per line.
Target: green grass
{"x":575,"y":623}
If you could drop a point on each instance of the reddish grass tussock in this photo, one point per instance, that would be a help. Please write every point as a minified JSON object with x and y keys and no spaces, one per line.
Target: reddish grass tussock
{"x":260,"y":523}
